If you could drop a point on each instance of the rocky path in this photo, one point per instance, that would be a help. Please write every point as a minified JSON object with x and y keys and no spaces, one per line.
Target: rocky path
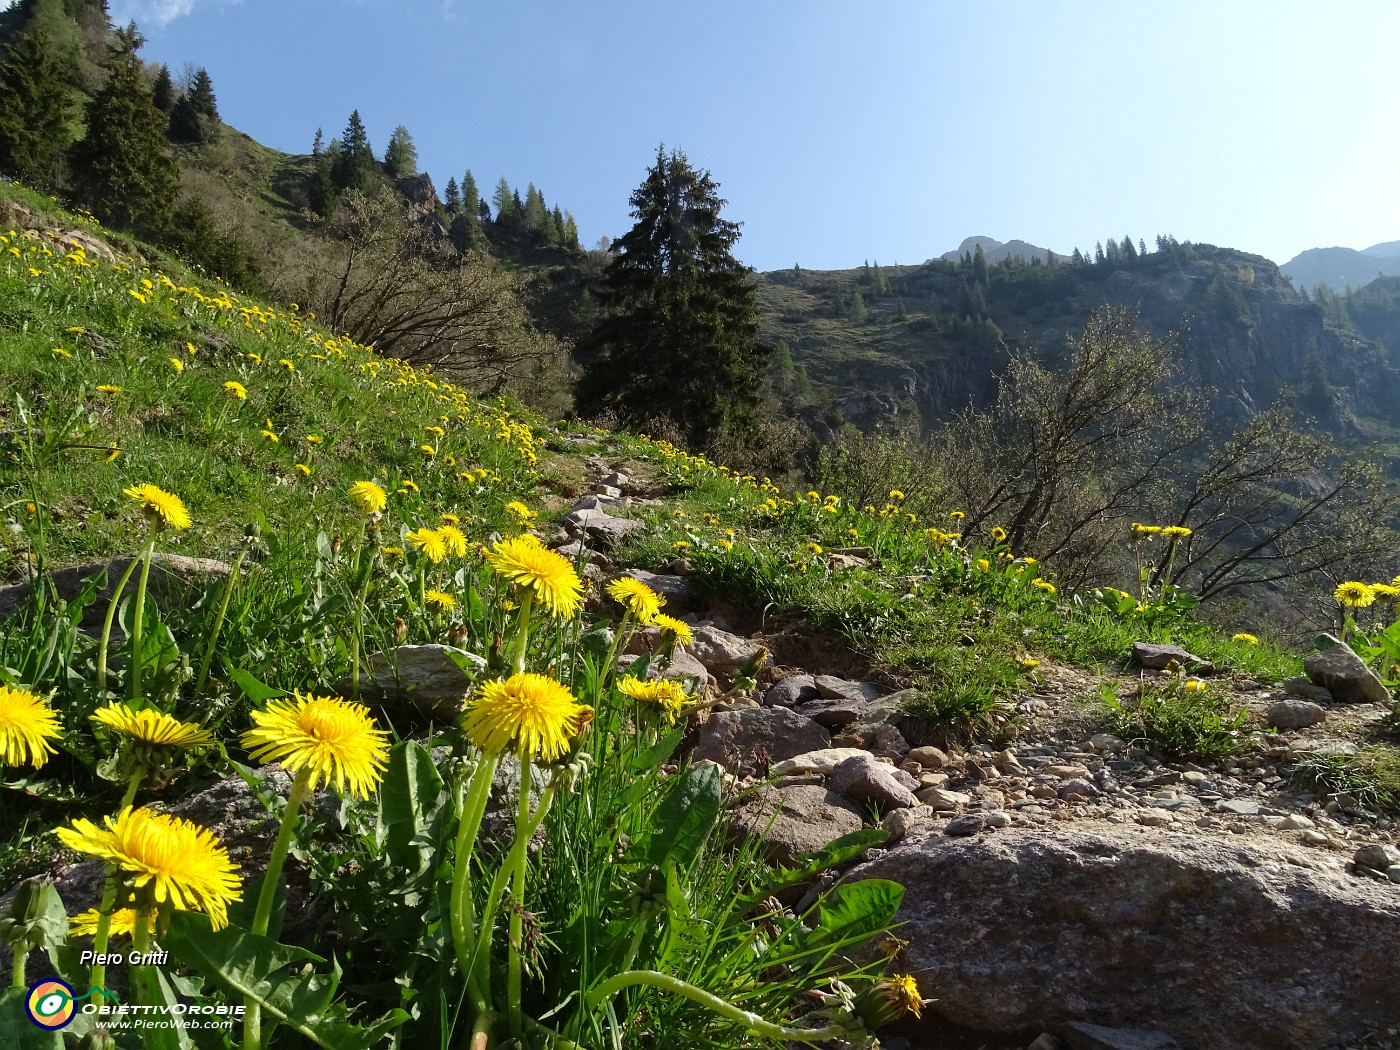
{"x":1072,"y":878}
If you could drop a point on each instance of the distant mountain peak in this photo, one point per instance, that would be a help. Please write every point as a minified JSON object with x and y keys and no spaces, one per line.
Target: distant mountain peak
{"x":1340,"y":267}
{"x":996,"y":250}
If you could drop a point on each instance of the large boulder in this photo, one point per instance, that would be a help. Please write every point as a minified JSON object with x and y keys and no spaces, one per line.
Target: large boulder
{"x":1344,"y":674}
{"x":796,"y":819}
{"x":175,"y":581}
{"x":746,"y":741}
{"x":1223,"y":943}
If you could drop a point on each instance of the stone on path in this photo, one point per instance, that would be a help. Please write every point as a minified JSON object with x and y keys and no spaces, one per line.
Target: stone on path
{"x":823,"y":761}
{"x":1156,"y":657}
{"x":1344,"y":674}
{"x":423,"y":677}
{"x":791,"y":691}
{"x":1293,"y":713}
{"x":746,"y":741}
{"x":864,"y":779}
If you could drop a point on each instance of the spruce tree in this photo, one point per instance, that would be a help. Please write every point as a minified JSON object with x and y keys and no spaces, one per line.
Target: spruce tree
{"x":452,"y":197}
{"x":163,"y":94}
{"x":471,"y":196}
{"x":534,"y":212}
{"x":123,"y":167}
{"x":195,"y":117}
{"x":678,"y":339}
{"x":504,"y":200}
{"x":36,"y":105}
{"x":353,"y":166}
{"x":400,"y":156}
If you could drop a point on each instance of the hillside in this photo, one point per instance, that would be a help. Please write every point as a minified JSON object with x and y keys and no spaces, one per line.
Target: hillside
{"x":328,"y":520}
{"x":1342,"y":268}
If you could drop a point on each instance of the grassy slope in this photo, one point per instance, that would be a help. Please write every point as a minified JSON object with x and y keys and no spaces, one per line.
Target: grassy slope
{"x":924,"y":613}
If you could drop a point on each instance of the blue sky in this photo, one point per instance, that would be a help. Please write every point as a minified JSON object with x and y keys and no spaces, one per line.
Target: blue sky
{"x":841,"y":132}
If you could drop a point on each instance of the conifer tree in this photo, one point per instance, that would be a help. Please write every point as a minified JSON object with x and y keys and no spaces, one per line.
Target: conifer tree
{"x":452,"y":197}
{"x":678,"y":340}
{"x":471,"y":196}
{"x":504,"y":200}
{"x":163,"y":94}
{"x":195,"y":117}
{"x":534,"y":212}
{"x":570,"y":232}
{"x":483,"y":211}
{"x":400,"y":156}
{"x":123,"y":167}
{"x":36,"y":104}
{"x":353,"y":167}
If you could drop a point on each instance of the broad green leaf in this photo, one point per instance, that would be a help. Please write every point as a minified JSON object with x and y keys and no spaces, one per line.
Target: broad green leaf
{"x":17,"y":1032}
{"x":251,"y":967}
{"x":176,"y":1037}
{"x":412,"y":793}
{"x":809,"y":865}
{"x":684,"y":819}
{"x":860,"y":909}
{"x":659,"y":752}
{"x":252,"y":688}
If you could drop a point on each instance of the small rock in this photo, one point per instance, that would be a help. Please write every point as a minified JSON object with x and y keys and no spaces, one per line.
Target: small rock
{"x":888,"y":742}
{"x":681,"y":595}
{"x":900,"y":822}
{"x":423,"y":677}
{"x":1007,"y":762}
{"x":1158,"y":657}
{"x":1078,"y":786}
{"x":1046,"y":1041}
{"x":1393,"y":873}
{"x":1296,"y":822}
{"x":823,"y":761}
{"x":1238,"y":806}
{"x":795,"y":820}
{"x":1344,"y":674}
{"x":933,"y":780}
{"x":1065,"y":772}
{"x":967,"y":824}
{"x":1153,"y":818}
{"x":1293,"y":714}
{"x":929,"y":757}
{"x":1376,"y":856}
{"x":864,"y":779}
{"x":791,"y":691}
{"x":998,"y":818}
{"x":719,"y":650}
{"x":942,"y":800}
{"x":834,"y":714}
{"x":1302,"y":687}
{"x":829,"y":687}
{"x":1107,"y":743}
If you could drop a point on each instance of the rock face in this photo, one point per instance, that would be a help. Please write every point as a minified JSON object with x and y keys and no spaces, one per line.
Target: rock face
{"x":423,"y":677}
{"x":175,"y":580}
{"x":795,"y":820}
{"x":1221,"y":944}
{"x":1344,"y":674}
{"x":745,"y":741}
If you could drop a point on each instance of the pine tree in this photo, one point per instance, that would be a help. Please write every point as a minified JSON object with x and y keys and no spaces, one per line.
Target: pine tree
{"x":679,"y":336}
{"x":979,"y":266}
{"x":318,"y":144}
{"x":483,"y":211}
{"x":321,"y":191}
{"x":163,"y":94}
{"x":471,"y":196}
{"x":36,"y":105}
{"x":195,"y":117}
{"x":400,"y":156}
{"x":570,"y":237}
{"x":534,"y":212}
{"x":504,"y":200}
{"x":124,"y":168}
{"x":354,"y":165}
{"x":452,"y":197}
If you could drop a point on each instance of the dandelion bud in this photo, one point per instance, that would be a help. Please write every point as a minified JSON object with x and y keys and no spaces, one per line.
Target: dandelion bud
{"x":885,"y":1001}
{"x":98,"y":1039}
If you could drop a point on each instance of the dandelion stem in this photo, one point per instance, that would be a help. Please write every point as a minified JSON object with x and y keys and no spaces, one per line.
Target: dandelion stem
{"x":301,"y":787}
{"x":140,"y":978}
{"x":219,"y":620}
{"x":517,"y":911}
{"x":753,"y":1023}
{"x":462,"y":917}
{"x":111,"y":615}
{"x":109,"y":896}
{"x":522,"y":636}
{"x":138,"y":614}
{"x":21,"y":954}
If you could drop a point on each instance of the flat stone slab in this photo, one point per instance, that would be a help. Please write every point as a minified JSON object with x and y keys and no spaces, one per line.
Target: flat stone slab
{"x":1156,"y":657}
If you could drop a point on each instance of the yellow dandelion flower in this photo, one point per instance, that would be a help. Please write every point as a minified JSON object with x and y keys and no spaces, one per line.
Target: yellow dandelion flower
{"x":896,"y":495}
{"x":112,"y":454}
{"x":27,"y":724}
{"x":643,"y":602}
{"x":1029,"y":663}
{"x":369,"y":497}
{"x":665,"y":693}
{"x":455,"y":539}
{"x":1356,"y":595}
{"x":529,"y":566}
{"x":270,"y":436}
{"x":1044,"y":585}
{"x":153,"y":728}
{"x":1385,"y":590}
{"x":181,"y":862}
{"x":1146,"y":530}
{"x":408,"y":484}
{"x":441,"y":599}
{"x":177,"y":364}
{"x":956,"y":515}
{"x":121,"y":924}
{"x":533,"y":712}
{"x":679,"y":630}
{"x":108,"y":388}
{"x":314,"y":439}
{"x":1194,"y":685}
{"x":521,"y":511}
{"x":814,"y":548}
{"x":450,"y":519}
{"x":236,"y":390}
{"x":161,"y":507}
{"x":999,"y":534}
{"x":1176,"y":532}
{"x":429,"y":541}
{"x":983,"y":564}
{"x":58,"y":351}
{"x":336,"y":740}
{"x":427,"y":450}
{"x":304,"y":469}
{"x":287,"y":364}
{"x":1248,"y":639}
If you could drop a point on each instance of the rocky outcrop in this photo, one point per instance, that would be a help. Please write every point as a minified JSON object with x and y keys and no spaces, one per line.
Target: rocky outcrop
{"x":1225,"y":945}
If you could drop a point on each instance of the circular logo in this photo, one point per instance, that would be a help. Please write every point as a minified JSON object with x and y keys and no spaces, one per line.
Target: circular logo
{"x":50,"y":1004}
